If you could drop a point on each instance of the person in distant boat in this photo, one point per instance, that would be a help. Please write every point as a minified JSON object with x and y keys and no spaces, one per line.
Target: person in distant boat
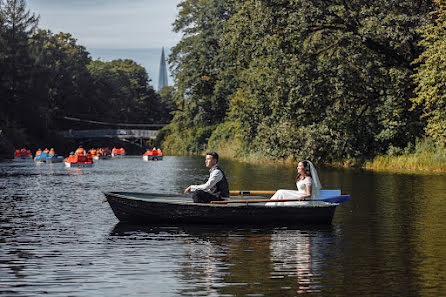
{"x":307,"y":183}
{"x":80,"y":151}
{"x":216,"y":188}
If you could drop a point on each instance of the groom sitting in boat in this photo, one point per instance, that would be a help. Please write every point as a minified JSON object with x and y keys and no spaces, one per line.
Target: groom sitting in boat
{"x":216,"y":188}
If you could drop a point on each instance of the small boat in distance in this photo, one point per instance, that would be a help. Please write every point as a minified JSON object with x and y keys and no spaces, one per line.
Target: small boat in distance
{"x":79,"y":159}
{"x":153,"y":155}
{"x":165,"y":208}
{"x":47,"y":156}
{"x":100,"y":153}
{"x":118,"y":152}
{"x":23,"y":154}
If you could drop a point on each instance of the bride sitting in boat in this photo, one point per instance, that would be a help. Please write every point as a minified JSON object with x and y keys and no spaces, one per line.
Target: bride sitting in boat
{"x":308,"y":187}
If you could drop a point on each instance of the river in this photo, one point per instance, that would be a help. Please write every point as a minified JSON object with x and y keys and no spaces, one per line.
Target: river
{"x":57,"y":238}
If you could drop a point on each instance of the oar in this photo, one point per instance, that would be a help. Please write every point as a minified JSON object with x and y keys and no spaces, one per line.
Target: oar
{"x":247,"y":193}
{"x":257,"y":201}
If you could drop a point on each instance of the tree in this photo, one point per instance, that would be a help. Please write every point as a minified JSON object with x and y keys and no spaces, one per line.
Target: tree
{"x":166,"y":97}
{"x":59,"y":78}
{"x":122,"y":92}
{"x":431,"y":75}
{"x":17,"y":25}
{"x":327,"y":80}
{"x":196,"y":65}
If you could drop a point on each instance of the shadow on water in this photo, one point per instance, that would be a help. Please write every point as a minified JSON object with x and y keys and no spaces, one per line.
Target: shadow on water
{"x":125,"y":229}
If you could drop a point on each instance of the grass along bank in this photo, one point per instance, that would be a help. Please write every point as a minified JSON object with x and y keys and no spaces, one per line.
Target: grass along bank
{"x":426,"y":157}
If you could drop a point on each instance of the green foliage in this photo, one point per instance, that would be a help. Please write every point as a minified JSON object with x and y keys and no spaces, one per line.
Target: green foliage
{"x":226,"y":139}
{"x":59,"y":79}
{"x":326,"y":80}
{"x":186,"y":141}
{"x":166,"y":97}
{"x":224,"y":132}
{"x":122,"y":92}
{"x":17,"y":25}
{"x":431,"y":75}
{"x":196,"y":63}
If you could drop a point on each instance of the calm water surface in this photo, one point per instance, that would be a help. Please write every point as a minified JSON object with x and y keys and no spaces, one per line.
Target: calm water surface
{"x":57,"y":238}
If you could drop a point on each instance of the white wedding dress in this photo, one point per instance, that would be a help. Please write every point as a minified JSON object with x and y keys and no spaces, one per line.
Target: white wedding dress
{"x":292,"y":194}
{"x":301,"y":191}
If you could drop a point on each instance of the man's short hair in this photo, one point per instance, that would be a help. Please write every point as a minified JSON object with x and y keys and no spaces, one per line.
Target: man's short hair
{"x":213,"y":154}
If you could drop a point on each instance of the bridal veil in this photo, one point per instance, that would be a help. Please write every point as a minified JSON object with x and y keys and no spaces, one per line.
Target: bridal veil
{"x":316,"y":191}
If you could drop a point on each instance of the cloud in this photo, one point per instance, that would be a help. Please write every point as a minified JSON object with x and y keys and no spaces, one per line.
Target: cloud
{"x":111,"y":23}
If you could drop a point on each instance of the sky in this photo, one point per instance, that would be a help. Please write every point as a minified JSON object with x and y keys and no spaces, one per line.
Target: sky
{"x":111,"y":23}
{"x":115,"y":29}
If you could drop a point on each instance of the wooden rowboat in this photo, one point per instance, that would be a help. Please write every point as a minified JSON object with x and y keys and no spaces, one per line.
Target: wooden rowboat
{"x":164,"y":208}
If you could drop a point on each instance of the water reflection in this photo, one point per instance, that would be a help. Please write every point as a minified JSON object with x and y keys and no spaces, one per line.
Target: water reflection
{"x":221,"y":260}
{"x":75,"y":171}
{"x":291,"y":256}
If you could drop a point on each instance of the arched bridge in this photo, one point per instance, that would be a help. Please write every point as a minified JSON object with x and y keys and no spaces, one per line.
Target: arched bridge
{"x":133,"y":133}
{"x":123,"y":134}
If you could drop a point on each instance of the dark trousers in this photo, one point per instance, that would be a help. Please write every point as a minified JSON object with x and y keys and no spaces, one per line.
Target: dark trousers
{"x":200,"y":196}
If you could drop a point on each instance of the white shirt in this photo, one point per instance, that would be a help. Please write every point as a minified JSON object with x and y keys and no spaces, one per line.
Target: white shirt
{"x":215,"y":175}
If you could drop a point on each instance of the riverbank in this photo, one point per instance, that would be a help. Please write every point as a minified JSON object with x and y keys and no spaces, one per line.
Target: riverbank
{"x":424,"y":157}
{"x":424,"y":161}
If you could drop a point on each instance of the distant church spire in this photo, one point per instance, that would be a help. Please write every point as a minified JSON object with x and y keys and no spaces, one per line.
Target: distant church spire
{"x":162,"y":78}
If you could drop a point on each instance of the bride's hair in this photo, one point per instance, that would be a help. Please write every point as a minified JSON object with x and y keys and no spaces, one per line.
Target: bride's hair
{"x":306,"y":169}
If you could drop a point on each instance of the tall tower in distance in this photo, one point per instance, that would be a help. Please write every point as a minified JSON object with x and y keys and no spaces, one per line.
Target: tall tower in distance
{"x":162,"y":78}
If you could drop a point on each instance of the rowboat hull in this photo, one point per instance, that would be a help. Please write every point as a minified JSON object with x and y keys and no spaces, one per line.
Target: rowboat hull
{"x":25,"y":158}
{"x":49,"y":160}
{"x":162,"y":208}
{"x":68,"y":164}
{"x":152,"y":158}
{"x":101,"y":157}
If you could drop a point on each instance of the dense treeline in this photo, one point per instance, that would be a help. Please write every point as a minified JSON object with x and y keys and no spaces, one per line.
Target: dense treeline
{"x":45,"y":77}
{"x":327,"y":80}
{"x":431,"y":75}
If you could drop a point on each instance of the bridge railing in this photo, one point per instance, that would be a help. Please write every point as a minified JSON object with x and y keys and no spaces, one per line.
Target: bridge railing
{"x":112,"y":133}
